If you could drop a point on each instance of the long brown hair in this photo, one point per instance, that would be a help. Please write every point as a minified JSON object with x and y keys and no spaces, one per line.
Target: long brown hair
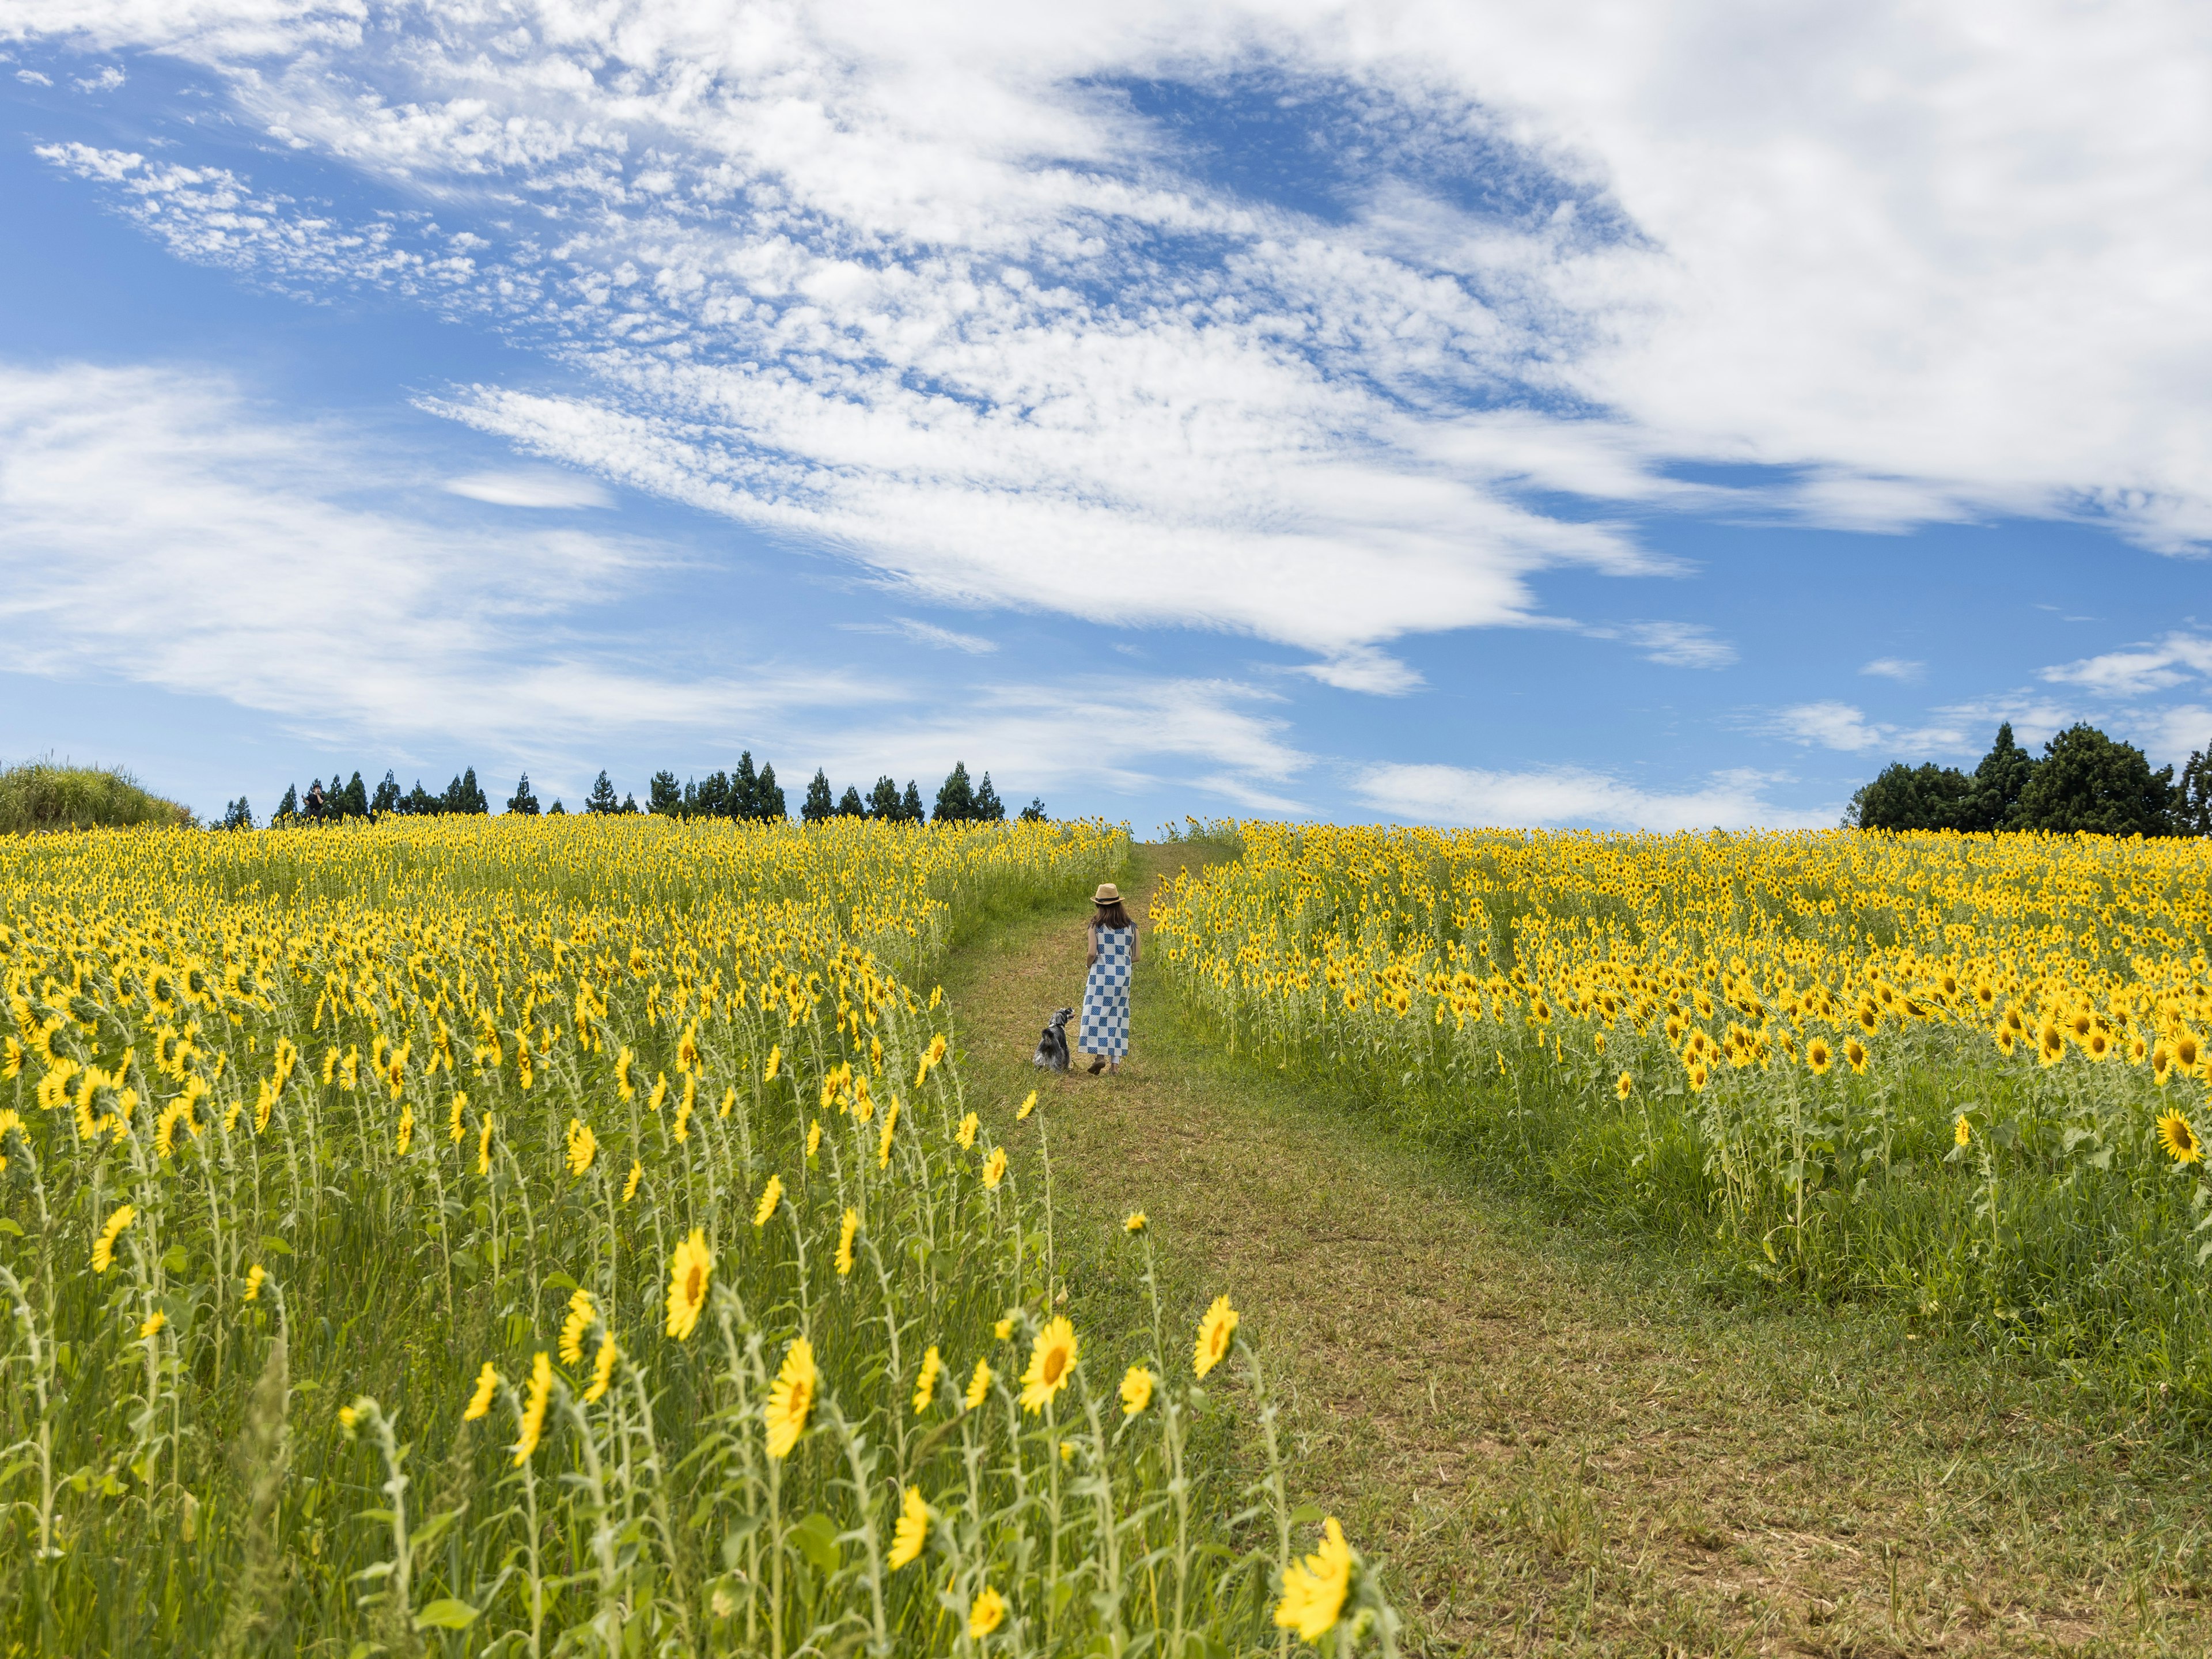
{"x":1112,"y":915}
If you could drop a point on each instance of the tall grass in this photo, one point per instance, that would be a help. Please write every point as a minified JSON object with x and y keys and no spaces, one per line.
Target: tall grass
{"x":47,"y":795}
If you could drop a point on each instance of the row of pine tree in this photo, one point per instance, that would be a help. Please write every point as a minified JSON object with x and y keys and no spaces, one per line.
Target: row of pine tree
{"x":745,"y":793}
{"x":2083,"y":783}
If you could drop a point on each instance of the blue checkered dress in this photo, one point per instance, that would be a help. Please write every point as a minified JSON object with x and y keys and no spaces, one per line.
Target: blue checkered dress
{"x":1106,"y":995}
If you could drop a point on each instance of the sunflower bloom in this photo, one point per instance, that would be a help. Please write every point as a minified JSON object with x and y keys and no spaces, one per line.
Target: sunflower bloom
{"x":792,"y":1399}
{"x":775,"y":1063}
{"x":771,"y":1196}
{"x":2178,"y":1137}
{"x":483,"y":1147}
{"x":152,"y":1327}
{"x":845,"y":1236}
{"x":1027,"y":1107}
{"x":688,"y":1273}
{"x":479,"y":1404}
{"x":637,"y":1175}
{"x":1855,"y":1054}
{"x":1625,"y":1085}
{"x":1051,"y":1362}
{"x":573,"y":1328}
{"x":814,"y":1138}
{"x":1134,"y":1221}
{"x":979,"y":1386}
{"x":1961,"y":1131}
{"x":912,"y":1534}
{"x":1137,"y":1385}
{"x":256,"y":1276}
{"x":965,"y":1134}
{"x":583,"y":1145}
{"x":925,"y":1386}
{"x":986,"y":1613}
{"x":533,"y":1407}
{"x":603,"y":1370}
{"x":883,"y":1146}
{"x":103,"y":1248}
{"x":995,"y":1168}
{"x":1314,"y":1589}
{"x":1819,"y":1056}
{"x":1213,"y":1334}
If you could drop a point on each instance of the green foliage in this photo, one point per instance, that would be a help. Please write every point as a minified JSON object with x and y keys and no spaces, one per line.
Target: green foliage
{"x":45,"y":794}
{"x":663,"y":797}
{"x":1902,"y":797}
{"x":2192,"y":796}
{"x":2088,"y":782}
{"x":524,"y":800}
{"x":819,"y":803}
{"x":602,"y":798}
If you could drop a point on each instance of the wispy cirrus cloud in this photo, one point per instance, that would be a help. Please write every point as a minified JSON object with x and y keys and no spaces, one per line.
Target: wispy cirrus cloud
{"x":2140,"y":670}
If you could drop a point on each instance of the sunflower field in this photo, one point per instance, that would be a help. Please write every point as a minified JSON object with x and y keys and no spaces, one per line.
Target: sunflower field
{"x":540,"y":1237}
{"x":1965,"y":1074}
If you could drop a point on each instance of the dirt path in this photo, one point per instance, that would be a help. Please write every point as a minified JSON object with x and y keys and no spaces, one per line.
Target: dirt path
{"x":1555,"y":1442}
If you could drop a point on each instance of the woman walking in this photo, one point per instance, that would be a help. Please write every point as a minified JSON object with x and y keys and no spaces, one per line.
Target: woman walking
{"x":1112,"y":957}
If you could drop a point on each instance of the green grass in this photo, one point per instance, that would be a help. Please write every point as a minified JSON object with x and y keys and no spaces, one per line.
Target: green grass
{"x":45,"y":794}
{"x":1565,"y":1436}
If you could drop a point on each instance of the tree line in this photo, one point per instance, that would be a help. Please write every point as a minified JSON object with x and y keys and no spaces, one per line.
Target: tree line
{"x":745,"y":793}
{"x":2083,"y":783}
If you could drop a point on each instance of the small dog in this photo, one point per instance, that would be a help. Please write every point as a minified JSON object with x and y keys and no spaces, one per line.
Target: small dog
{"x":1051,"y":1047}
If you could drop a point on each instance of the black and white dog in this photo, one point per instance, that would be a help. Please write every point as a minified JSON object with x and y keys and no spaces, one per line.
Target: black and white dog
{"x":1051,"y":1047}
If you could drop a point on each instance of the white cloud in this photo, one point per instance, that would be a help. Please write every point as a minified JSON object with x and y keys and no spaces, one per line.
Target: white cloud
{"x":928,"y":634}
{"x":923,"y":287}
{"x":1574,"y":796}
{"x":108,"y":78}
{"x":2138,"y":670}
{"x":514,"y":488}
{"x":1896,"y":668}
{"x":1961,"y":728}
{"x":33,"y":78}
{"x":1364,"y":668}
{"x":1673,"y":644}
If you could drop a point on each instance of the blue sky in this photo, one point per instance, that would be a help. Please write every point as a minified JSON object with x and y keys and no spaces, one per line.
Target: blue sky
{"x":1435,"y":412}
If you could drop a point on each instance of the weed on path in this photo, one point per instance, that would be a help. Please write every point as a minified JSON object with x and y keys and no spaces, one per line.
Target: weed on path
{"x":1558,"y":1443}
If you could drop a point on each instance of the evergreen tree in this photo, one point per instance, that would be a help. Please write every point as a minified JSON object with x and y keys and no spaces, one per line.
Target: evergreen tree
{"x":386,"y":798}
{"x":421,"y":801}
{"x":1998,"y":780}
{"x":238,"y":815}
{"x":630,"y":804}
{"x":818,"y":804}
{"x":602,"y":798}
{"x":463,"y":794}
{"x":850,"y":805}
{"x":713,"y":800}
{"x":910,"y":804}
{"x":357,"y":798}
{"x":2088,"y":782}
{"x":955,"y":796}
{"x":883,"y":801}
{"x":523,"y":800}
{"x":745,"y":789}
{"x":989,"y":809}
{"x":768,"y":798}
{"x":556,"y":810}
{"x":287,"y":808}
{"x":2192,"y":796}
{"x":1901,"y":797}
{"x":663,"y":797}
{"x":1034,"y":813}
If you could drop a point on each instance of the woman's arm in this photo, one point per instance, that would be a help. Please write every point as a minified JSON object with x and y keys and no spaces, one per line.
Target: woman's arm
{"x":1136,"y":947}
{"x":1090,"y":944}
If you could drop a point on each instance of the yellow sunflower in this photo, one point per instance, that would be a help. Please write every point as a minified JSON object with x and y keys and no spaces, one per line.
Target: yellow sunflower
{"x":1961,"y":1131}
{"x":2177,"y":1135}
{"x":995,"y":1168}
{"x":1027,"y":1107}
{"x":979,"y":1386}
{"x":2161,"y":1063}
{"x":1134,"y":1223}
{"x":573,"y":1328}
{"x":1855,"y":1054}
{"x":1051,"y":1362}
{"x":925,"y":1386}
{"x":1137,"y":1384}
{"x":965,"y":1134}
{"x":603,"y":1370}
{"x":845,"y":1236}
{"x":2050,"y":1043}
{"x":792,"y":1399}
{"x":912,"y":1534}
{"x":533,"y":1407}
{"x":1625,"y":1085}
{"x":103,"y":1248}
{"x":1213,"y":1334}
{"x":688,"y":1273}
{"x":1315,"y":1589}
{"x":479,"y":1405}
{"x":771,"y":1196}
{"x":1819,"y":1056}
{"x":986,"y":1613}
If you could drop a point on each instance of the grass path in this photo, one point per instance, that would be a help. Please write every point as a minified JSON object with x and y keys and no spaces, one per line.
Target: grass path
{"x":1552,"y":1441}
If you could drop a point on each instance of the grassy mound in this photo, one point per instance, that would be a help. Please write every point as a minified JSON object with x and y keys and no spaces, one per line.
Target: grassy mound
{"x":42,"y":794}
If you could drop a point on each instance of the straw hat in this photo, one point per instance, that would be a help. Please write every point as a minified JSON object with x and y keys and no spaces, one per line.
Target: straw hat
{"x":1108,"y":893}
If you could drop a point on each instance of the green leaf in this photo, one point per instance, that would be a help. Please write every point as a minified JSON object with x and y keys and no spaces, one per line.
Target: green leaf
{"x":274,"y":1245}
{"x":14,"y":1229}
{"x":816,"y":1538}
{"x":1307,"y":1515}
{"x":173,"y":1260}
{"x":557,"y":1280}
{"x":445,"y":1615}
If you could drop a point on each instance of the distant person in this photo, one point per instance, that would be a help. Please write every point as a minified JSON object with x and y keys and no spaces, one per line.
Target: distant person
{"x":314,"y":802}
{"x":1112,"y":954}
